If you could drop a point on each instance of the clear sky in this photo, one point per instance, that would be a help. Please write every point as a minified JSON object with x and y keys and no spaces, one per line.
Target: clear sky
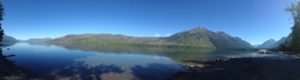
{"x":253,"y":20}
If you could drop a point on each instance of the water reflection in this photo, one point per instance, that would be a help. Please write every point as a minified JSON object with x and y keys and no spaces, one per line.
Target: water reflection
{"x":78,"y":71}
{"x":53,"y":62}
{"x":58,"y":63}
{"x":154,"y":71}
{"x":9,"y":71}
{"x":177,"y":54}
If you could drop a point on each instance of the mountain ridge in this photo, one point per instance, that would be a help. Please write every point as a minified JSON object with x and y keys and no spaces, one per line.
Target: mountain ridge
{"x":196,"y":37}
{"x":8,"y":40}
{"x":267,"y":44}
{"x":271,"y":43}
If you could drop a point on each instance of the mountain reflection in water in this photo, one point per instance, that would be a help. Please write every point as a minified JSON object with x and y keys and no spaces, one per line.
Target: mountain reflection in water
{"x":102,"y":63}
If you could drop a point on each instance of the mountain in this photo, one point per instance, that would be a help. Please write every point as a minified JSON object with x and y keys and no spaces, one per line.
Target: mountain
{"x":38,"y":40}
{"x":206,"y":38}
{"x":280,"y":42}
{"x":255,"y":46}
{"x":101,"y":40}
{"x":267,"y":44}
{"x":272,"y":43}
{"x":8,"y":40}
{"x":196,"y":38}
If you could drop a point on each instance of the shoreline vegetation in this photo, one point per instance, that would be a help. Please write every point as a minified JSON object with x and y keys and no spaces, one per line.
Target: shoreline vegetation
{"x":293,"y":42}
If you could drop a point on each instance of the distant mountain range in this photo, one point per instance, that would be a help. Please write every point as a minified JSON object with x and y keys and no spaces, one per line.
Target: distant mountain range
{"x":267,"y":44}
{"x":272,"y":43}
{"x":194,"y":38}
{"x":8,"y":40}
{"x":38,"y":40}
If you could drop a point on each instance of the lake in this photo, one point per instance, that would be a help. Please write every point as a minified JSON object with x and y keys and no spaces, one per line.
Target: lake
{"x":108,"y":63}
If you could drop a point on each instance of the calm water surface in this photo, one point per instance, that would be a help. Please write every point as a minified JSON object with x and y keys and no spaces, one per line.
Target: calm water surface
{"x":58,"y":62}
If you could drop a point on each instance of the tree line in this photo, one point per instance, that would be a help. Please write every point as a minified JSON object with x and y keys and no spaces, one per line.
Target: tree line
{"x":293,"y":43}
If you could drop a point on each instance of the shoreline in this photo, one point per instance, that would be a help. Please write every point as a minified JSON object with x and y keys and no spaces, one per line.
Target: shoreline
{"x":243,"y":68}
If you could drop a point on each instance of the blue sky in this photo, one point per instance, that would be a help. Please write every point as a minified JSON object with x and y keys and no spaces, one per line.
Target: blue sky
{"x":253,"y":20}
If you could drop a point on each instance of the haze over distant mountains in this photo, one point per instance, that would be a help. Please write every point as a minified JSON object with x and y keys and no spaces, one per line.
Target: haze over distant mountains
{"x":8,"y":40}
{"x":272,"y":43}
{"x":193,"y":38}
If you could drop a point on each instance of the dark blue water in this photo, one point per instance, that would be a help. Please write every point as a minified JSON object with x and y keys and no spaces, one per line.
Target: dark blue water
{"x":57,"y":62}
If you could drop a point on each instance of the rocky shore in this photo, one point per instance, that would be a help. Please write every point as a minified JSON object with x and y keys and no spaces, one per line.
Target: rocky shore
{"x":245,"y":68}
